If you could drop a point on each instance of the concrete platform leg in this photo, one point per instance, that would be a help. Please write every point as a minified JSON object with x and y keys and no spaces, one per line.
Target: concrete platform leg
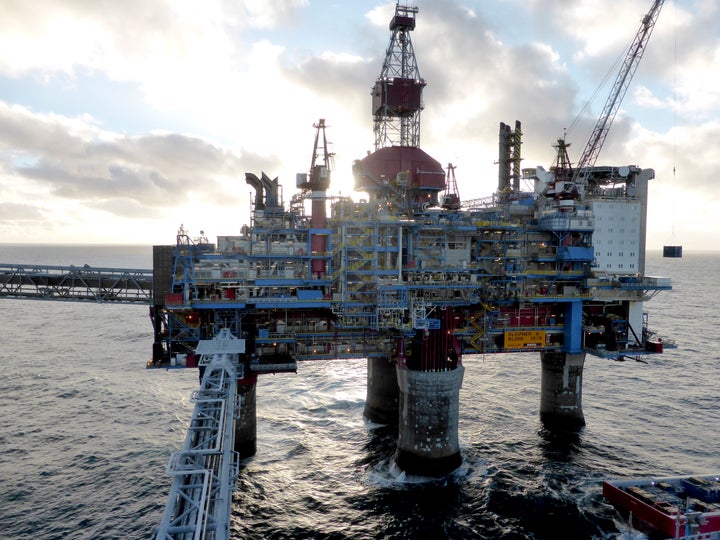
{"x":246,"y":419}
{"x":561,"y":389}
{"x":381,"y":402}
{"x":428,"y":432}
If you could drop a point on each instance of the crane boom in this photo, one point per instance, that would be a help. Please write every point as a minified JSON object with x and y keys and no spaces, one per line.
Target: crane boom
{"x":624,"y":76}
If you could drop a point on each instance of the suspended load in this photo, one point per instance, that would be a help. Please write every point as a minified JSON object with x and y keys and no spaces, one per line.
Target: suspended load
{"x":673,"y":252}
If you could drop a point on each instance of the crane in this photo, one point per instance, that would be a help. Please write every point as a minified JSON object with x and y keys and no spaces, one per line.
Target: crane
{"x":320,"y":173}
{"x":622,"y":81}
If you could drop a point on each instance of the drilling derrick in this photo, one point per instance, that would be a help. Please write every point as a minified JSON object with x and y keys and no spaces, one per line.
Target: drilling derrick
{"x":397,"y":94}
{"x":415,"y":282}
{"x":398,"y":167}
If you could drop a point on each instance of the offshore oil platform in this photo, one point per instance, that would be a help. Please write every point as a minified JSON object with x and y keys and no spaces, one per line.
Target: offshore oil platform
{"x":414,"y":279}
{"x":409,"y":278}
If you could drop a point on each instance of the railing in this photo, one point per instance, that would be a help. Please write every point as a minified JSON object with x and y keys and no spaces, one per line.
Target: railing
{"x":205,"y":471}
{"x":119,"y":285}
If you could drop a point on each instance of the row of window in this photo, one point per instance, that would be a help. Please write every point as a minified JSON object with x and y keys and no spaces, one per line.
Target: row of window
{"x":621,"y":254}
{"x":599,"y":217}
{"x":609,"y":242}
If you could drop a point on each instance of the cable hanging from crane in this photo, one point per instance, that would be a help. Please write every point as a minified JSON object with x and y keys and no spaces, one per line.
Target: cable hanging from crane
{"x":674,"y":250}
{"x":600,"y":86}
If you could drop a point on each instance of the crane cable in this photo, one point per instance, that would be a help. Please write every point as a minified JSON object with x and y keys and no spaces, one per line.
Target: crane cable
{"x":674,"y":168}
{"x":602,"y":84}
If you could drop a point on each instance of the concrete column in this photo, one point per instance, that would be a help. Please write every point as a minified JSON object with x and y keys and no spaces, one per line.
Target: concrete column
{"x":381,"y":402}
{"x":246,"y":418}
{"x":561,"y":389}
{"x":428,"y":431}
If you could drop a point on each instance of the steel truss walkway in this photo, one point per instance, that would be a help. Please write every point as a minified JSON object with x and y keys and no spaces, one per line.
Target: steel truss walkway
{"x":41,"y":282}
{"x":205,"y":471}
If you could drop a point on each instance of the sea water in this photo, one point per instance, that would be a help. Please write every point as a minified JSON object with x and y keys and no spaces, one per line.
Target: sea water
{"x":86,"y":431}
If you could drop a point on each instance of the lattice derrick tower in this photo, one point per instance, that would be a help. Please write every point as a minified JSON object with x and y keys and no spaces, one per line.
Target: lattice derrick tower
{"x":397,"y":94}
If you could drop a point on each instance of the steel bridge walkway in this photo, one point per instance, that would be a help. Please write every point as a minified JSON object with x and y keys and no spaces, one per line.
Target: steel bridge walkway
{"x":205,"y":471}
{"x":86,"y":283}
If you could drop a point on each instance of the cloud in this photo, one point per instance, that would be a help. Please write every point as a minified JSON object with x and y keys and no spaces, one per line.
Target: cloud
{"x":248,"y":79}
{"x":680,"y":161}
{"x":264,"y":14}
{"x":130,"y":39}
{"x":681,"y":55}
{"x":127,"y":175}
{"x":336,"y":76}
{"x":645,"y":97}
{"x":19,"y":212}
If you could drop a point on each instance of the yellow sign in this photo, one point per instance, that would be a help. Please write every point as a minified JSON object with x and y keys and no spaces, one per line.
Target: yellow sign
{"x":525,"y":339}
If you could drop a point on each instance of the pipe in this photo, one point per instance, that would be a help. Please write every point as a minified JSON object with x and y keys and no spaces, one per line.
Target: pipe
{"x":255,"y":182}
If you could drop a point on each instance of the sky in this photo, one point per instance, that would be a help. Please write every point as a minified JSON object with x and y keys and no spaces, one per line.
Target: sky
{"x":121,"y":121}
